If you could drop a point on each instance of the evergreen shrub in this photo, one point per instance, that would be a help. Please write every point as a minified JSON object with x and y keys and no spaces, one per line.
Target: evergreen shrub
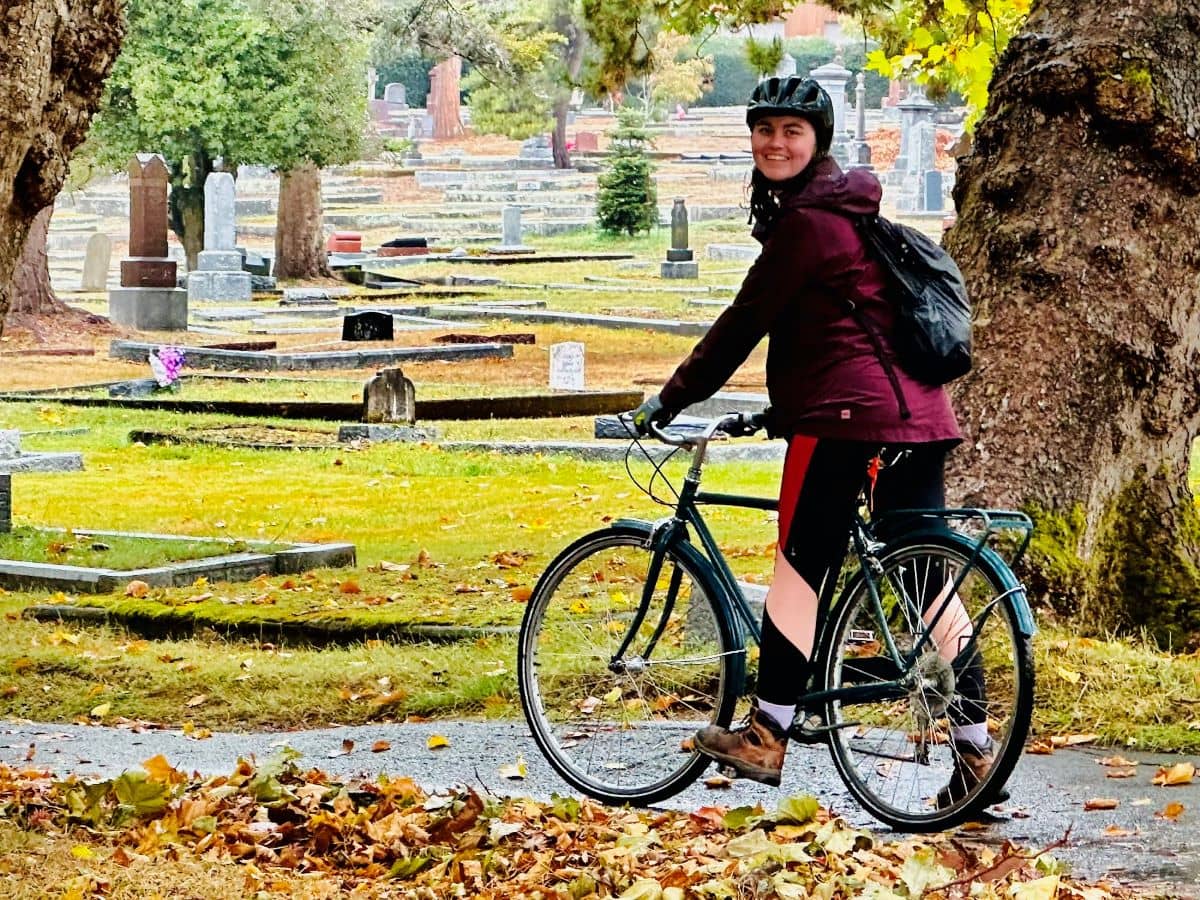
{"x":626,"y":199}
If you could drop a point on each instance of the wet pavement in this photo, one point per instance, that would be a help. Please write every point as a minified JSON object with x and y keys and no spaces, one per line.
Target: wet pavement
{"x":1132,"y":844}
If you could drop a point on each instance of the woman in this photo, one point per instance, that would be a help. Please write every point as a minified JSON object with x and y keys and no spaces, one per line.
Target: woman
{"x":832,"y":397}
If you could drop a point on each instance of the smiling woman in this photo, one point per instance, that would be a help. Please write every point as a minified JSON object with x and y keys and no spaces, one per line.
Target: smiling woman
{"x":783,"y":146}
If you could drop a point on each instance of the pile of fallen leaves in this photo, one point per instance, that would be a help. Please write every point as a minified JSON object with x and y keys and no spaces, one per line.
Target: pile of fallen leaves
{"x":274,"y":818}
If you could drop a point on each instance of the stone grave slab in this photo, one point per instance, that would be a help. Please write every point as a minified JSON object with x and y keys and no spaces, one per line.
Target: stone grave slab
{"x":669,"y":326}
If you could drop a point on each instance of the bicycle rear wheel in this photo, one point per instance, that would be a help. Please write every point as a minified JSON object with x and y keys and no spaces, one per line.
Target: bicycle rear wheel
{"x":892,"y":745}
{"x":617,"y":724}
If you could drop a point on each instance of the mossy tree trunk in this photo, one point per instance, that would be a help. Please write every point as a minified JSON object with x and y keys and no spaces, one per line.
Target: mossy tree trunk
{"x":54,"y":58}
{"x":1078,"y":215}
{"x":299,"y":238}
{"x":185,"y":206}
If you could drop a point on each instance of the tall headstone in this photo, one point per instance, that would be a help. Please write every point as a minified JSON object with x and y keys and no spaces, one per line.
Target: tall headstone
{"x":679,"y":262}
{"x":566,"y":366}
{"x":95,"y":263}
{"x":219,"y":274}
{"x":914,"y":109}
{"x":510,"y":233}
{"x":833,"y":77}
{"x":860,"y":150}
{"x":396,"y":94}
{"x":148,"y":298}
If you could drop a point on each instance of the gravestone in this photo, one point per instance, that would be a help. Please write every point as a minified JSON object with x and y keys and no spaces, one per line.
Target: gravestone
{"x":566,"y":366}
{"x":786,"y":67}
{"x":13,"y":460}
{"x":860,"y":150}
{"x":510,"y":235}
{"x":389,"y":397}
{"x":396,"y":94}
{"x":587,"y":142}
{"x":680,"y":262}
{"x":369,"y":325}
{"x":914,"y":186}
{"x":219,"y":274}
{"x":536,"y":148}
{"x":95,"y":263}
{"x":148,"y":298}
{"x":833,"y":77}
{"x":915,"y":108}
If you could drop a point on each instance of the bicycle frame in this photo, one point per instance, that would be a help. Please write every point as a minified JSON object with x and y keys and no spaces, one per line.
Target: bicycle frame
{"x":687,"y":516}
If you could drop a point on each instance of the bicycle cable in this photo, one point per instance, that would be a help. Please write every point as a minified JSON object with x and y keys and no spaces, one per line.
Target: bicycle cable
{"x":648,"y":489}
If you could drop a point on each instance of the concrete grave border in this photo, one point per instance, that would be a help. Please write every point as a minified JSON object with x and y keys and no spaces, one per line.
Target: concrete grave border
{"x":290,"y":559}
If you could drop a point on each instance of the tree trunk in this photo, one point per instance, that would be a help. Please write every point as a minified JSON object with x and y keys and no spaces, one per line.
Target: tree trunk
{"x":558,"y":138}
{"x":54,"y":58}
{"x":185,"y":205}
{"x":32,"y":294}
{"x":1077,"y":220}
{"x":299,"y":239}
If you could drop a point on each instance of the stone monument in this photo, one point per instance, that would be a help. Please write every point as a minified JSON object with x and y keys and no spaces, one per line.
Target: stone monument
{"x":833,"y":77}
{"x":389,"y":397}
{"x":148,"y":298}
{"x":219,"y":274}
{"x":566,"y":366}
{"x":860,"y":150}
{"x":680,"y":262}
{"x":510,"y":237}
{"x":95,"y":263}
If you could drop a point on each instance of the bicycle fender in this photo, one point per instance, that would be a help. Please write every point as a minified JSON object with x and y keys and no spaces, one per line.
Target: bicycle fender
{"x":1009,"y":583}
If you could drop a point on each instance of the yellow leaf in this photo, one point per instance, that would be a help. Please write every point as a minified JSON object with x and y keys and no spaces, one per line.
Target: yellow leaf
{"x":515,"y":769}
{"x":198,"y":700}
{"x":437,"y":740}
{"x":200,"y":583}
{"x":612,"y":696}
{"x":521,"y":593}
{"x":1067,"y":674}
{"x":159,"y":769}
{"x":99,"y":712}
{"x":79,"y":851}
{"x":1171,"y":812}
{"x":1180,"y":773}
{"x":1042,"y":889}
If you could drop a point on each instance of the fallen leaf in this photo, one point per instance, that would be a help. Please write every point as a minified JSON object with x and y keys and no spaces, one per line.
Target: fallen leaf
{"x":1100,"y":803}
{"x":159,"y":769}
{"x":718,"y":782}
{"x":436,"y":741}
{"x":521,"y":593}
{"x":1116,"y":761}
{"x":1071,"y":740}
{"x":1041,"y":748}
{"x":1170,"y":812}
{"x":99,"y":712}
{"x":347,"y":749}
{"x":349,"y":586}
{"x":380,"y":747}
{"x":1118,"y":831}
{"x":1121,"y":773}
{"x":1067,"y":674}
{"x":198,"y":700}
{"x":514,"y":770}
{"x":1180,"y":773}
{"x":137,"y":589}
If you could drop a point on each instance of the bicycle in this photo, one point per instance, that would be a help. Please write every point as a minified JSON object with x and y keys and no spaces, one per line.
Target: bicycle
{"x":635,"y":637}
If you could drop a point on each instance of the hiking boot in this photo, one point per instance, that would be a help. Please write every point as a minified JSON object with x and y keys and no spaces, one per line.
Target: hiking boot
{"x":971,"y":765}
{"x":755,"y":748}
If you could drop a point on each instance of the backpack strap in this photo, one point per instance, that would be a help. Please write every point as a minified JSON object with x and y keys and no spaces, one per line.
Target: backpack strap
{"x":876,"y":342}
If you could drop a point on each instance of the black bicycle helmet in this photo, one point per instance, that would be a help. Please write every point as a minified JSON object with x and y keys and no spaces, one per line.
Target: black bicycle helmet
{"x":794,"y":96}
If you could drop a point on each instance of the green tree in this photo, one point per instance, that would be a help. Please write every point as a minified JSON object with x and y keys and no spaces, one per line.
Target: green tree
{"x":626,"y":199}
{"x":268,"y":82}
{"x":764,"y":57}
{"x":680,"y":75}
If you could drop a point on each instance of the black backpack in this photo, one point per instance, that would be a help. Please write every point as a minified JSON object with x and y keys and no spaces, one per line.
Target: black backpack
{"x":932,"y":335}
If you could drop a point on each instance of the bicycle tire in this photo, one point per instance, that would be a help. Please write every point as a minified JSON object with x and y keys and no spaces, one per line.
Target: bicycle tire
{"x":621,"y":732}
{"x":894,"y":753}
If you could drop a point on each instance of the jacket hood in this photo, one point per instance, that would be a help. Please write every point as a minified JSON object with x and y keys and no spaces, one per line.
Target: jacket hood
{"x":855,"y":193}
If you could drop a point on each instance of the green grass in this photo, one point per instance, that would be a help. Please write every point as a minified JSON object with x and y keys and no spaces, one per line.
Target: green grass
{"x":69,"y":548}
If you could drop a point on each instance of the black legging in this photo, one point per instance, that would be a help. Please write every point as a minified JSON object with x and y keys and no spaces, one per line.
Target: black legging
{"x":822,"y":481}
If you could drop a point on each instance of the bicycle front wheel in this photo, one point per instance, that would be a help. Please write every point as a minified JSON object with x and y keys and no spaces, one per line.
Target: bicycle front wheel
{"x":615,"y":678}
{"x":918,"y":665}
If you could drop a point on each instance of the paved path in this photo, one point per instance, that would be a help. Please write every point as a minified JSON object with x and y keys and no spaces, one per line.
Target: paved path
{"x":1048,"y":792}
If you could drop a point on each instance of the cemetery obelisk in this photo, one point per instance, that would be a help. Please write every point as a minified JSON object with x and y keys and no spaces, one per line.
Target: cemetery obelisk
{"x":148,"y":298}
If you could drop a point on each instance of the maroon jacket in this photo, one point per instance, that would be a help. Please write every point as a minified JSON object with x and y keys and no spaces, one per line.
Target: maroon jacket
{"x":824,"y":377}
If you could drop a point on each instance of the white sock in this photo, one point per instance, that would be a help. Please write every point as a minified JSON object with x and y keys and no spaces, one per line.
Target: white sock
{"x":782,"y":713}
{"x":976,"y":734}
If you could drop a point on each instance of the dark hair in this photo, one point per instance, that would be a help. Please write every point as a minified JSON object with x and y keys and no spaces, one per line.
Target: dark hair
{"x":765,"y":194}
{"x":794,"y":96}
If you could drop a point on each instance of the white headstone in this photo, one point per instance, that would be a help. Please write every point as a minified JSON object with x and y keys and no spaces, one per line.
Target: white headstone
{"x":96,"y":261}
{"x":566,"y":366}
{"x":219,"y":221}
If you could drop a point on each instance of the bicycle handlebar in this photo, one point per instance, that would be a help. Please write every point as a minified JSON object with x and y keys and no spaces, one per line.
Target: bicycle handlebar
{"x":739,"y":424}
